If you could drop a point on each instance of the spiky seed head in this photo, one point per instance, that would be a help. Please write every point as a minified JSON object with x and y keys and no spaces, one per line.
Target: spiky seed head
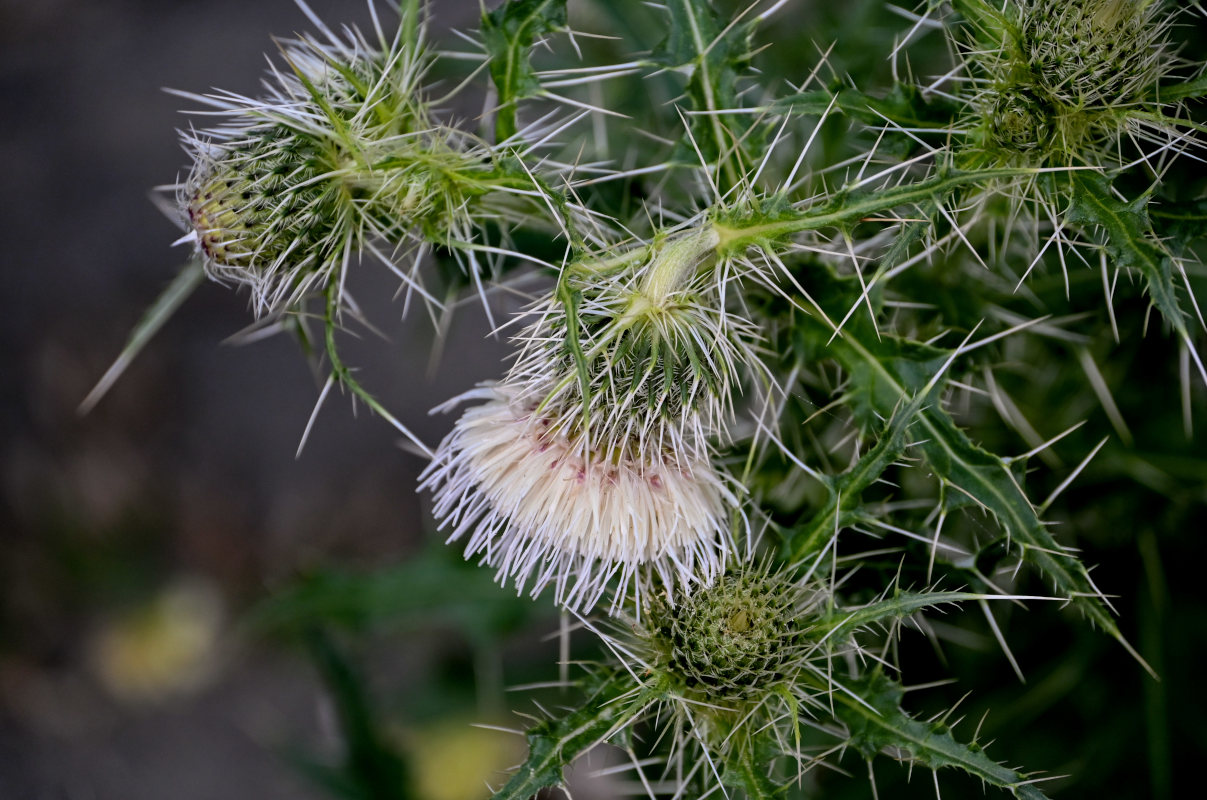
{"x":339,"y":151}
{"x":732,"y":640}
{"x":546,"y":510}
{"x":1094,"y":52}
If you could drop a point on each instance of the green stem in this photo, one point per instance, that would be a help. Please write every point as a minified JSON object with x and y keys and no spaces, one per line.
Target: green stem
{"x":738,"y":234}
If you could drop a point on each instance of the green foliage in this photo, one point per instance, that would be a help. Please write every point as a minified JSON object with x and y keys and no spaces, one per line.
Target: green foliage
{"x":1130,"y":242}
{"x":712,"y":52}
{"x":829,"y":307}
{"x":608,"y":708}
{"x":428,"y":590}
{"x":371,"y":769}
{"x":508,"y":33}
{"x":876,"y":723}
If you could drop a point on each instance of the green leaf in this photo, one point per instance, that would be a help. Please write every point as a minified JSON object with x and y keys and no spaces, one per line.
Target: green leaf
{"x":1194,"y":89}
{"x":372,"y":770}
{"x":167,"y":304}
{"x":1129,"y":239}
{"x":876,"y":723}
{"x":887,"y":371}
{"x":555,"y":743}
{"x":904,"y":105}
{"x":1181,"y":225}
{"x":711,"y":55}
{"x":508,"y":33}
{"x":844,"y":622}
{"x":842,"y":507}
{"x":436,"y":587}
{"x":747,"y":770}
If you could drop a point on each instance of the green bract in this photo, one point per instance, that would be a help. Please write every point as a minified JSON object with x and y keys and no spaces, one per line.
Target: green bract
{"x":732,"y":640}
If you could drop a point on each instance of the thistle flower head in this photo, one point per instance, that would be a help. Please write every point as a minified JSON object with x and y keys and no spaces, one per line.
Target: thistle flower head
{"x":593,"y":459}
{"x":1095,"y":52}
{"x":1061,"y":80}
{"x":338,"y":152}
{"x":737,"y":662}
{"x":649,"y":357}
{"x":543,"y":510}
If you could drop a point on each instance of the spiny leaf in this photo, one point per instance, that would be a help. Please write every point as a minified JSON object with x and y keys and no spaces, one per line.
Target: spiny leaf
{"x":842,"y":508}
{"x":711,"y":56}
{"x":844,"y":622}
{"x":509,"y":33}
{"x":876,"y":723}
{"x":1180,"y":224}
{"x":1128,"y":236}
{"x":903,"y":105}
{"x":555,"y":743}
{"x":1187,"y":90}
{"x":747,"y":770}
{"x":885,"y":371}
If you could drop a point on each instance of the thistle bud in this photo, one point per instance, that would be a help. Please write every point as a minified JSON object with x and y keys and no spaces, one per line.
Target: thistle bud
{"x":731,"y":640}
{"x":1094,"y":53}
{"x":1065,"y":79}
{"x":339,"y":152}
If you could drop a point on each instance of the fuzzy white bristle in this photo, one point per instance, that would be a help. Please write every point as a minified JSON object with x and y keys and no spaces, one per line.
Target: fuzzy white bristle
{"x":543,"y":511}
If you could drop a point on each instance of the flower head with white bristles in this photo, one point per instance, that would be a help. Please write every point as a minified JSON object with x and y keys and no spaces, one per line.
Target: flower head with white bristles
{"x":545,"y":510}
{"x":593,"y":459}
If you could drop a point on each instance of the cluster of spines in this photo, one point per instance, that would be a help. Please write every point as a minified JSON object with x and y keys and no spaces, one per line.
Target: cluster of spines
{"x":1060,"y":81}
{"x":338,"y":154}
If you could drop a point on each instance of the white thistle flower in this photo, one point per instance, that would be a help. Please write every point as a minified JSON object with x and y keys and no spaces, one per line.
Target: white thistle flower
{"x":543,"y":510}
{"x":593,"y":460}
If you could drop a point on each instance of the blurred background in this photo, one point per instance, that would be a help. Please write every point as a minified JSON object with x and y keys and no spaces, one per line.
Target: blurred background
{"x":134,"y":541}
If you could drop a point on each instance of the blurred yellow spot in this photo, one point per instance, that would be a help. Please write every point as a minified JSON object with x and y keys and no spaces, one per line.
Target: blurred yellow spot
{"x":163,"y":648}
{"x":452,"y":760}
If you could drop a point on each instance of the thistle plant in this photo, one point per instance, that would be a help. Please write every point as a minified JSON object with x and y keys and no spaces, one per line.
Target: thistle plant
{"x":779,"y":395}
